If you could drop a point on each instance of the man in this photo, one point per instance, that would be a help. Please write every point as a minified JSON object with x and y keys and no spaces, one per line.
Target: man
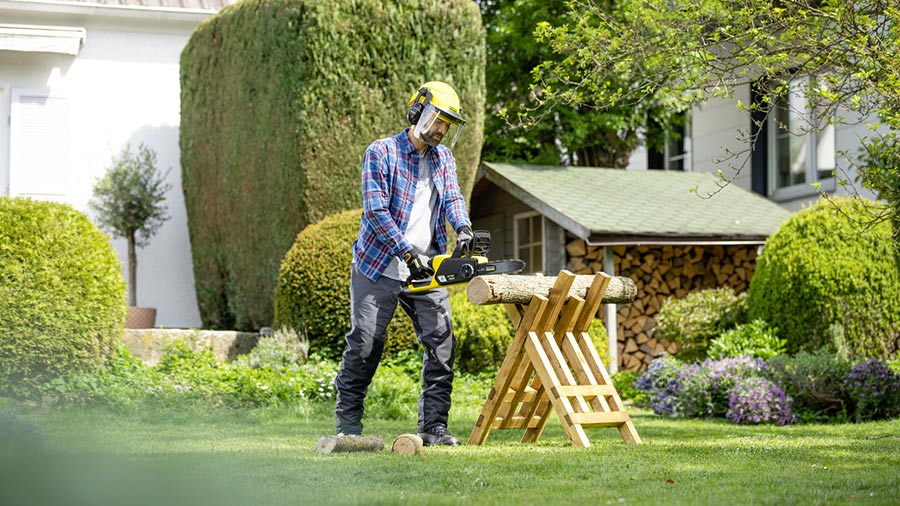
{"x":409,"y":191}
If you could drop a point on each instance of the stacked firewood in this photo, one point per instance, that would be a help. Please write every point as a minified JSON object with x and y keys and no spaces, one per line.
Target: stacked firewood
{"x":660,"y":272}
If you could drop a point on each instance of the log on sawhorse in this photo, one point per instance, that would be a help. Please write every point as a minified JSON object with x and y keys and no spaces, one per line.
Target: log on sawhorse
{"x":552,"y":365}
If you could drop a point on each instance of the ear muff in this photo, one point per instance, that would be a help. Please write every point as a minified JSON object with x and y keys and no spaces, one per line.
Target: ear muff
{"x":418,"y":105}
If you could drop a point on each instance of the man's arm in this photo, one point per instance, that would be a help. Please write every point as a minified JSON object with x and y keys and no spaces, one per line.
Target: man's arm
{"x":376,"y":198}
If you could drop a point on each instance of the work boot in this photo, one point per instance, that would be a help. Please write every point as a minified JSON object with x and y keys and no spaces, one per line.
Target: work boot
{"x":352,"y":431}
{"x":438,"y":435}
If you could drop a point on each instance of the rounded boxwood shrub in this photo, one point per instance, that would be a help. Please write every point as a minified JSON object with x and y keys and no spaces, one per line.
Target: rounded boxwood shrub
{"x":312,"y":294}
{"x":825,"y":267}
{"x":693,"y":321}
{"x":62,"y":295}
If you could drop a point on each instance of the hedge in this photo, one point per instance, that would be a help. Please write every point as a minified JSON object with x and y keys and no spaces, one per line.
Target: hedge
{"x":279,"y":99}
{"x":62,"y":295}
{"x":829,"y":275}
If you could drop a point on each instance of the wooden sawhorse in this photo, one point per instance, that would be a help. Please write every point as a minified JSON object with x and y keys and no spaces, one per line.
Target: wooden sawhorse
{"x":552,"y":364}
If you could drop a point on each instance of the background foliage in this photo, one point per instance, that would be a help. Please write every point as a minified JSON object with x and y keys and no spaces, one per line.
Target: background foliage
{"x":821,"y":269}
{"x":62,"y":296}
{"x":567,"y":133}
{"x":694,"y":321}
{"x":279,"y":100}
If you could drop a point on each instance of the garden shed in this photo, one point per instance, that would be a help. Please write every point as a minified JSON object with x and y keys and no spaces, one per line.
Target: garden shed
{"x":671,"y":232}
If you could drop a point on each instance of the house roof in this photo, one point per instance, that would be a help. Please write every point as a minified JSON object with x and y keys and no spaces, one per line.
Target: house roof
{"x":614,"y":206}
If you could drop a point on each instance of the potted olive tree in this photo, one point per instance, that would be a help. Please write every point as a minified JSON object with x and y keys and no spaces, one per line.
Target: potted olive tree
{"x":128,"y":202}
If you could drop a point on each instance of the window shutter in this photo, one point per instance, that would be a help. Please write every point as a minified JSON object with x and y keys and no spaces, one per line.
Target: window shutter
{"x":38,"y":145}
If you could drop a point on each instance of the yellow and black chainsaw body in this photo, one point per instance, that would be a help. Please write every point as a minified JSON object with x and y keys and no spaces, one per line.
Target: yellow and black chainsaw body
{"x":463,"y":265}
{"x":448,"y":271}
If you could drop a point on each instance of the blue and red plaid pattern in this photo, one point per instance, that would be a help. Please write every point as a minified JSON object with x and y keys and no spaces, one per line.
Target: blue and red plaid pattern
{"x":389,"y":172}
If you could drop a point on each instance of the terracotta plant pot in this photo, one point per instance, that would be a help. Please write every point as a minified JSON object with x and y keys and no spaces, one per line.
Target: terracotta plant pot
{"x":140,"y":317}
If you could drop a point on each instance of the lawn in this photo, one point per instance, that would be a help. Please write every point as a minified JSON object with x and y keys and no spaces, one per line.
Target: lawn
{"x":267,"y":456}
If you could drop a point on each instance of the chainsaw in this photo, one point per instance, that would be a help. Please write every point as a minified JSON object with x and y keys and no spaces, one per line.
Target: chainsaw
{"x":466,"y":262}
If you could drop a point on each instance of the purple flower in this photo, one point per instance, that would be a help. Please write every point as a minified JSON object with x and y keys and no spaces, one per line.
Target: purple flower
{"x":662,"y":385}
{"x":875,"y":390}
{"x":758,"y":400}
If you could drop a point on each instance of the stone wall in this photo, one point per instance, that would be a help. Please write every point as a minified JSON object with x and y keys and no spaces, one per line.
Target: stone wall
{"x":150,"y":344}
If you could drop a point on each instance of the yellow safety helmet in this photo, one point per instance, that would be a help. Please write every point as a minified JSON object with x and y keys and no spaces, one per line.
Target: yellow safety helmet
{"x":435,"y":101}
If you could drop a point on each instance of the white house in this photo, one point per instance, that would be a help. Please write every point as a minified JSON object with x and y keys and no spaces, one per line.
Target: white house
{"x":81,"y":79}
{"x":784,"y":164}
{"x":78,"y":81}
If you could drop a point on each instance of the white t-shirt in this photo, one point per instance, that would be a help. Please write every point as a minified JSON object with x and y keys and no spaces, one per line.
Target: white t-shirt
{"x":421,"y":222}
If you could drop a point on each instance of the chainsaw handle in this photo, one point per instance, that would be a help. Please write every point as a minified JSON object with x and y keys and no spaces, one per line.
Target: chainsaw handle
{"x":461,"y":250}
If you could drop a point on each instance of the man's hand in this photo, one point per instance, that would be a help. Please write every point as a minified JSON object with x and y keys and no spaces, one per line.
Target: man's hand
{"x":417,"y":269}
{"x":464,"y":238}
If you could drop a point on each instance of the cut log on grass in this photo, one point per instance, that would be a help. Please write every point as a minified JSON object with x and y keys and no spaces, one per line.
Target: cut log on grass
{"x":509,"y":289}
{"x":407,"y":444}
{"x":342,"y":444}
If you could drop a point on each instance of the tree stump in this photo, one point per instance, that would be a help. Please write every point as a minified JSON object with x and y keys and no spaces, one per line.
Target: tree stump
{"x":407,"y":444}
{"x":343,"y":444}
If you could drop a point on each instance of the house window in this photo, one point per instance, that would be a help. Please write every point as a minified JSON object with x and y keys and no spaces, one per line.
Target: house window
{"x":801,"y":144}
{"x":38,"y":141}
{"x":676,"y":146}
{"x":529,"y":241}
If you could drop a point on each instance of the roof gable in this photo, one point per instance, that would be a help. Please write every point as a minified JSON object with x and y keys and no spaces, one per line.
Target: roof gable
{"x":614,"y":206}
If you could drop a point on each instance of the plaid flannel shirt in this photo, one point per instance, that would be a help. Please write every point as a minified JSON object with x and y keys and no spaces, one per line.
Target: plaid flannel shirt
{"x":389,"y":173}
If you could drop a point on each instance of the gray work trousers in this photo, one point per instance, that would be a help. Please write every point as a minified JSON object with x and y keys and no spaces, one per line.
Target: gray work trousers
{"x":372,"y":305}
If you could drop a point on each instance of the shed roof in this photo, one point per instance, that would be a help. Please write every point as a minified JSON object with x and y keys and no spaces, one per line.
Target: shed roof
{"x":614,"y":206}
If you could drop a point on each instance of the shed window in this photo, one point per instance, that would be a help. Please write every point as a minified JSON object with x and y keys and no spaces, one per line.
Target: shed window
{"x":529,"y":241}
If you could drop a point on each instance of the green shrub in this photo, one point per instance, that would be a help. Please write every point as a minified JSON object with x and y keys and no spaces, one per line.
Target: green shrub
{"x":692,"y":322}
{"x":188,"y":376}
{"x":816,"y":382}
{"x":313,"y":291}
{"x":395,"y":388}
{"x":62,"y":296}
{"x":279,"y":99}
{"x":123,"y":382}
{"x":483,"y":333}
{"x":285,"y":349}
{"x":624,"y":383}
{"x":755,"y":338}
{"x":825,"y":267}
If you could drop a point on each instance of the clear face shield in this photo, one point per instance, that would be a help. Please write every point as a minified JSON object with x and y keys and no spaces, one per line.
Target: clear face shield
{"x":437,"y":127}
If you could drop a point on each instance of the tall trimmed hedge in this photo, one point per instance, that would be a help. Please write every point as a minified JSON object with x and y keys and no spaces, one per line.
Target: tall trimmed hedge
{"x":279,"y":99}
{"x":62,"y":295}
{"x":824,"y":275}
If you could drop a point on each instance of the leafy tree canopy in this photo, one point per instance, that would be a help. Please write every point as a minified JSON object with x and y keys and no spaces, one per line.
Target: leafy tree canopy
{"x":522,"y":125}
{"x":678,"y":53}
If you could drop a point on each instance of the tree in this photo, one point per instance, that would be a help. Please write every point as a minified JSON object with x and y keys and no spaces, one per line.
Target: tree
{"x":682,"y":52}
{"x":128,"y":200}
{"x":567,"y":132}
